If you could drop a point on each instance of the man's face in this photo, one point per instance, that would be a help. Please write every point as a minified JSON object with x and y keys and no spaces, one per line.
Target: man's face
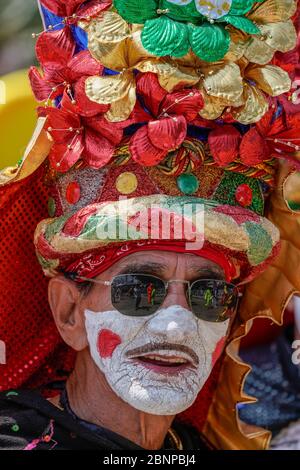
{"x":158,"y":363}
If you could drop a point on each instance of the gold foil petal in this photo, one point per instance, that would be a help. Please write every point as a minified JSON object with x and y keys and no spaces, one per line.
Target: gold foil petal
{"x":213,"y":107}
{"x":189,"y":60}
{"x":108,"y":89}
{"x":255,"y":106}
{"x":120,"y":55}
{"x":224,"y":82}
{"x":271,"y":79}
{"x":272,"y":11}
{"x":110,"y":28}
{"x":280,"y":36}
{"x":258,"y":52}
{"x":120,"y":110}
{"x":176,"y":77}
{"x":135,"y":50}
{"x":112,"y":56}
{"x":238,"y":45}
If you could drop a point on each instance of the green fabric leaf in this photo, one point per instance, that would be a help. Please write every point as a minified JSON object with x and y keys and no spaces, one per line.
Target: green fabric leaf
{"x":241,"y":7}
{"x":209,"y":42}
{"x":182,"y":49}
{"x":136,"y":11}
{"x":163,"y":36}
{"x":242,"y":23}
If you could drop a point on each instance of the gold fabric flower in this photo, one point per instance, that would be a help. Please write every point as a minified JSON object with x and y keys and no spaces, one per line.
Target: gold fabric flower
{"x":118,"y":47}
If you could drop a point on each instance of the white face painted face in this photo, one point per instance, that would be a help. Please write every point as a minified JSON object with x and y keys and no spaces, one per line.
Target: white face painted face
{"x":122,"y":348}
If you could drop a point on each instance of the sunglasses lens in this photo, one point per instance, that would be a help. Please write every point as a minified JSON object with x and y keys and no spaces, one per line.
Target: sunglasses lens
{"x":213,"y":300}
{"x":137,"y":295}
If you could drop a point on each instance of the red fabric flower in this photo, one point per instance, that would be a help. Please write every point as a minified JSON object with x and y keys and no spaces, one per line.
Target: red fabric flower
{"x":273,"y":137}
{"x":167,"y":121}
{"x":61,"y":69}
{"x":68,"y":8}
{"x":224,"y":144}
{"x":51,"y":43}
{"x":76,"y":136}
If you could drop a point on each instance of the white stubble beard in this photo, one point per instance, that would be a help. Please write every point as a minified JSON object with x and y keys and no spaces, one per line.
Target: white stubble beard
{"x":145,"y":389}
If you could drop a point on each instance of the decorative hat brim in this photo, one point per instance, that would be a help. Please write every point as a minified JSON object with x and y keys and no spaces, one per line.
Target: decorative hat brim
{"x":244,"y":236}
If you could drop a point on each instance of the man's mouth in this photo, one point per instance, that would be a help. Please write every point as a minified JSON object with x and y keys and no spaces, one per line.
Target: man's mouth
{"x":163,"y":364}
{"x":164,"y":358}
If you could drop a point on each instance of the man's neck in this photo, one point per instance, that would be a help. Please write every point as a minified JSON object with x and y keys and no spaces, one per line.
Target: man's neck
{"x":92,"y":400}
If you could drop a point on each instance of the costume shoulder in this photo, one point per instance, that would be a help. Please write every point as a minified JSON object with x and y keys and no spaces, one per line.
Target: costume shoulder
{"x":30,"y":422}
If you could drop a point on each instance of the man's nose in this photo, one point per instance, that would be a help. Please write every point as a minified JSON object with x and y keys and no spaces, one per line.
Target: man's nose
{"x":174,"y":320}
{"x":177,"y":295}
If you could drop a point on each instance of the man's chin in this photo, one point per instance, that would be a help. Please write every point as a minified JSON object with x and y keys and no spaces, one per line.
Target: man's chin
{"x":159,"y":409}
{"x":157,"y":399}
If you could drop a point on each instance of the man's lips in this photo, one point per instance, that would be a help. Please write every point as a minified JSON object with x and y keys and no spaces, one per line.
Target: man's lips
{"x":164,"y":358}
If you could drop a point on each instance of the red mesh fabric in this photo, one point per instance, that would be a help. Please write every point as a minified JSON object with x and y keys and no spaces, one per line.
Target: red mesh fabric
{"x":35,"y":354}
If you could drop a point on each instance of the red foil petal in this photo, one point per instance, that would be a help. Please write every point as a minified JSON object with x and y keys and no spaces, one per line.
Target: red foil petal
{"x":72,"y":6}
{"x":111,"y":131}
{"x":168,"y":133}
{"x":63,"y":158}
{"x":55,"y":48}
{"x":292,"y":110}
{"x":41,"y":87}
{"x":142,"y":150}
{"x":291,"y":137}
{"x":84,"y":106}
{"x":224,"y":144}
{"x":98,"y":150}
{"x":151,"y":92}
{"x":94,"y":7}
{"x":55,"y":6}
{"x":83,"y":64}
{"x":264,"y":124}
{"x":187,"y":103}
{"x":138,"y":115}
{"x":63,"y":120}
{"x":253,"y":148}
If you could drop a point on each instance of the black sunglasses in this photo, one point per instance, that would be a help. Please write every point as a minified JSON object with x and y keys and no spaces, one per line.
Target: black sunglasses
{"x":140,"y":295}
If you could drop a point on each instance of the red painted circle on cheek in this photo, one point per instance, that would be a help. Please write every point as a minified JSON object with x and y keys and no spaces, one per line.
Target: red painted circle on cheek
{"x":107,"y":343}
{"x":218,"y":350}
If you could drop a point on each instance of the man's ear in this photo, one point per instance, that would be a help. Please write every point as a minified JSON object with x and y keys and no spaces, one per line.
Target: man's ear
{"x":64,"y":299}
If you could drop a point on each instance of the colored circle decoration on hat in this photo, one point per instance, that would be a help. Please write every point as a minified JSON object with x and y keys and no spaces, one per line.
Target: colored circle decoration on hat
{"x":187,"y":183}
{"x":127,"y":183}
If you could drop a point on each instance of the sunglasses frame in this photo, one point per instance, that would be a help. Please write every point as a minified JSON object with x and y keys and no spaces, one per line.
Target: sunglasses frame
{"x":166,"y":285}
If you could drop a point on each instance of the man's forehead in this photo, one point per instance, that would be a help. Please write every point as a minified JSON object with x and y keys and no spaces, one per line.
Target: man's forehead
{"x":164,"y":260}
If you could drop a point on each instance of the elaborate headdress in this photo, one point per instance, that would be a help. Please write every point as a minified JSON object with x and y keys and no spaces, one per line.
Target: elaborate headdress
{"x":169,"y":103}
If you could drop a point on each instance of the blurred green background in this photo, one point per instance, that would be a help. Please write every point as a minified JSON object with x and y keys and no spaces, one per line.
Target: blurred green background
{"x":18,"y":20}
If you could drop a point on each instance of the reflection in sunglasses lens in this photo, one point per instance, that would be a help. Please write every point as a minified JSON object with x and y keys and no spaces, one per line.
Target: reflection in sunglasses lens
{"x":213,"y":300}
{"x":137,"y":294}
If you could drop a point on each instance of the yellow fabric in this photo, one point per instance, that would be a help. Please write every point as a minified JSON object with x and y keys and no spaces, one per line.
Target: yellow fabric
{"x":17,"y":116}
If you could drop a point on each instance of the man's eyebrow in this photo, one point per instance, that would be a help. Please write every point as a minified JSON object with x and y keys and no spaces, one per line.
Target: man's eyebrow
{"x":143,"y":268}
{"x":206,"y":272}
